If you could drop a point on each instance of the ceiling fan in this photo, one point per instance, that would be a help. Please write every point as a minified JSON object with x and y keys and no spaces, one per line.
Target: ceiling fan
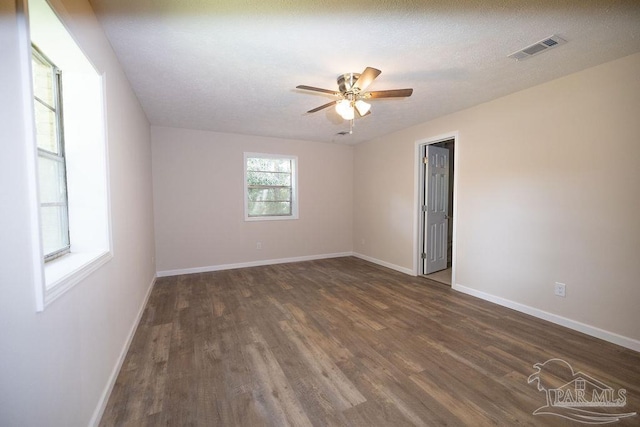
{"x":351,"y":93}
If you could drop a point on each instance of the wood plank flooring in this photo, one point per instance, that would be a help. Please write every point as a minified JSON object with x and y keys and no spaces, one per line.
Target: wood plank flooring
{"x":342,"y":342}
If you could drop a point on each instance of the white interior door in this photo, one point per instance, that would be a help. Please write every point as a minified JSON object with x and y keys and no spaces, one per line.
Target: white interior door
{"x":436,"y":209}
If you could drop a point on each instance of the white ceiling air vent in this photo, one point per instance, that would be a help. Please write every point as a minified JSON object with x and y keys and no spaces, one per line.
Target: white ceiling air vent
{"x":536,"y":48}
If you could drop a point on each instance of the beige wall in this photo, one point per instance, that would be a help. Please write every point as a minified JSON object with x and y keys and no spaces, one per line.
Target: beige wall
{"x":198,"y":197}
{"x":55,"y":365}
{"x":548,"y":189}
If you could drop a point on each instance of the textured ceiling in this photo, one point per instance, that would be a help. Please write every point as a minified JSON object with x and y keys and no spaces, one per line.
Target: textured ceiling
{"x":232,"y":66}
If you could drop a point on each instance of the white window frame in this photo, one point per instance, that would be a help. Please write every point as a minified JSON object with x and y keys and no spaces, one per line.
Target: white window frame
{"x":294,"y":187}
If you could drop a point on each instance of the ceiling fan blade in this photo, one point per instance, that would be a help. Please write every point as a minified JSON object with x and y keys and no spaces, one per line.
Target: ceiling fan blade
{"x":394,"y":93}
{"x":317,"y":89}
{"x":322,"y":107}
{"x":365,"y":79}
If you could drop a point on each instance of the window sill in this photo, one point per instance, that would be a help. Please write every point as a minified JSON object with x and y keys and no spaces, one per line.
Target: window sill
{"x":271,"y":218}
{"x":65,"y":272}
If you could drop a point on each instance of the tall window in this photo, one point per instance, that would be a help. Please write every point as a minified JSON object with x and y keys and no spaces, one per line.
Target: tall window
{"x":72,"y":165}
{"x":54,"y":216}
{"x":270,"y":187}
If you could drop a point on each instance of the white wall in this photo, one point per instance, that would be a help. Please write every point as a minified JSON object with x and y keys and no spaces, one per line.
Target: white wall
{"x":55,"y":365}
{"x":548,"y":190}
{"x":198,"y":201}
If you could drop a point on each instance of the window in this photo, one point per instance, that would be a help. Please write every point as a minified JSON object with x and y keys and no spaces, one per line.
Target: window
{"x":54,"y":215}
{"x":71,"y":173}
{"x":270,"y":187}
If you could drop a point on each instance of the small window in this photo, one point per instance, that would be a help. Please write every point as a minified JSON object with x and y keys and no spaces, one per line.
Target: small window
{"x":270,"y":187}
{"x":54,"y":209}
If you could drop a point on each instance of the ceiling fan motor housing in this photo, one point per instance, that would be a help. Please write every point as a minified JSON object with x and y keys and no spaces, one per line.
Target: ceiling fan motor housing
{"x":346,"y":81}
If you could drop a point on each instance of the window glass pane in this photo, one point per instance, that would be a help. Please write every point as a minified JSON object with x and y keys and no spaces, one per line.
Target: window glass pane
{"x":269,"y":194}
{"x":268,"y":165}
{"x":55,"y":235}
{"x":269,"y":208}
{"x":51,"y":163}
{"x":43,"y":81}
{"x":268,"y":178}
{"x":46,"y":128}
{"x":52,"y":180}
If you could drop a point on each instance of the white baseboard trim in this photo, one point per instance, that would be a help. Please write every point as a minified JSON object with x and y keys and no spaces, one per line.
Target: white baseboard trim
{"x":404,"y":270}
{"x":259,"y":263}
{"x":102,"y":403}
{"x":611,"y":337}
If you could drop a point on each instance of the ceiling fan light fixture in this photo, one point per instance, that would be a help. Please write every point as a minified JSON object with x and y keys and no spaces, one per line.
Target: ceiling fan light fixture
{"x":349,"y":114}
{"x":345,"y":109}
{"x":362,"y":107}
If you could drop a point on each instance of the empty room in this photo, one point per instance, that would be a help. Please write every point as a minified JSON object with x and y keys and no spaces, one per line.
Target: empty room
{"x":319,"y":213}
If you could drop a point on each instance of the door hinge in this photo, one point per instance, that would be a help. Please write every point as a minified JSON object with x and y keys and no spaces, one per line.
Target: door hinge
{"x":424,"y":208}
{"x":425,"y":160}
{"x":423,"y":255}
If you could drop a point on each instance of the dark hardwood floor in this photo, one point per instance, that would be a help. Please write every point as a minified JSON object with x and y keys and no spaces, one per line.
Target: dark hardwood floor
{"x":343,"y":342}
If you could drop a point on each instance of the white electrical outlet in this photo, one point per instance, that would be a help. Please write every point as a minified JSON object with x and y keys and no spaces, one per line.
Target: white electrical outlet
{"x":560,"y":289}
{"x":259,"y":245}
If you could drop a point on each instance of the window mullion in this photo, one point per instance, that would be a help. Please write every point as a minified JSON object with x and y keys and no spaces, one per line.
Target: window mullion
{"x":45,"y":104}
{"x":49,"y":155}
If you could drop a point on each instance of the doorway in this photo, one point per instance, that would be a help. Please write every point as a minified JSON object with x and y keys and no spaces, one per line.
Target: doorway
{"x":436,"y":209}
